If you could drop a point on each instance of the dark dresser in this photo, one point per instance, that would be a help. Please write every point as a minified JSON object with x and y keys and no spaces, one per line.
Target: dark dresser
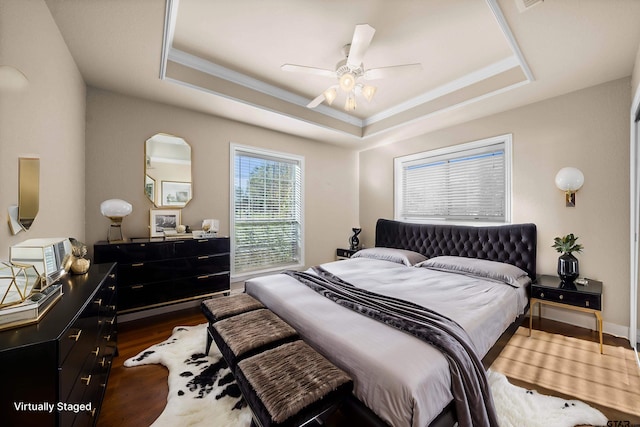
{"x":157,"y":272}
{"x":61,"y":364}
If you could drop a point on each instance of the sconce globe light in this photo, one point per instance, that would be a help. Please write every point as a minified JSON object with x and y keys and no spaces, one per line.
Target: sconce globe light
{"x":115,"y":210}
{"x":570,"y":180}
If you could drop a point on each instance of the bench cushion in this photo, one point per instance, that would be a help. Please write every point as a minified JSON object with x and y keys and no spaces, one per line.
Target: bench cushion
{"x":219,"y":308}
{"x":290,"y":384}
{"x":247,"y":333}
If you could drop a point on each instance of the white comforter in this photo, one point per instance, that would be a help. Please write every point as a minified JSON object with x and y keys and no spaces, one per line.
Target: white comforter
{"x":403,"y":380}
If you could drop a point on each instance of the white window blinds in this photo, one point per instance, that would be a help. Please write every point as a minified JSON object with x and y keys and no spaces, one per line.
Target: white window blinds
{"x":468,"y":182}
{"x":266,"y":210}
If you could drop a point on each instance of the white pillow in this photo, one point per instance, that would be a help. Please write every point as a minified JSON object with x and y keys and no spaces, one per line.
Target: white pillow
{"x":400,"y":256}
{"x":493,"y":270}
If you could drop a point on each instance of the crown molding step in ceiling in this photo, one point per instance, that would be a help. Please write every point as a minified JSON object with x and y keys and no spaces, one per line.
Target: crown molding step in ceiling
{"x":356,"y":74}
{"x":414,"y":92}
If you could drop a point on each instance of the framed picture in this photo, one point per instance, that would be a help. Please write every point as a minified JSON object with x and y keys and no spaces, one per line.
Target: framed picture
{"x":163,"y":219}
{"x":175,"y":193}
{"x":150,"y":188}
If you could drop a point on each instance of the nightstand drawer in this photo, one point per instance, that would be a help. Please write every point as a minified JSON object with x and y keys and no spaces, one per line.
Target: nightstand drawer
{"x":568,"y":297}
{"x":344,"y":253}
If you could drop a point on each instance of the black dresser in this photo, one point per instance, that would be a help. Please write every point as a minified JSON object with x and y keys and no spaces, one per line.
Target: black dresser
{"x":157,"y":272}
{"x":54,"y":372}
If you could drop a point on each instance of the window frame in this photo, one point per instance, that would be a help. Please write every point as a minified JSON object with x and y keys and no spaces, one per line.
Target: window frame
{"x":233,"y":150}
{"x":450,"y":151}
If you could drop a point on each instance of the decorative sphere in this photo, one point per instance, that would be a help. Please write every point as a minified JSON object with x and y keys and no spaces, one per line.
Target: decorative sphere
{"x":115,"y":208}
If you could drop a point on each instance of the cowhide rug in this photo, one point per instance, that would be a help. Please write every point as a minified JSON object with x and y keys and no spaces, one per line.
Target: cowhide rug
{"x":202,"y":391}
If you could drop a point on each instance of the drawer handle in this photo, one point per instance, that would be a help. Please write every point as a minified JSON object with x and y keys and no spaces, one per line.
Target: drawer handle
{"x":203,"y":277}
{"x":86,"y":380}
{"x":107,"y":337}
{"x":112,"y":276}
{"x":203,"y":240}
{"x":561,"y":296}
{"x":112,"y":321}
{"x":111,"y":307}
{"x":104,"y":362}
{"x":541,"y":294}
{"x":203,"y":257}
{"x":137,"y":264}
{"x":137,"y":286}
{"x":93,"y":412}
{"x":586,"y":303}
{"x":76,"y":337}
{"x":98,"y":301}
{"x":96,"y":351}
{"x":112,"y":288}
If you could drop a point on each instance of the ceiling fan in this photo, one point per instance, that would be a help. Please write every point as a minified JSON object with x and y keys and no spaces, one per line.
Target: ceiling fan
{"x":351,"y":70}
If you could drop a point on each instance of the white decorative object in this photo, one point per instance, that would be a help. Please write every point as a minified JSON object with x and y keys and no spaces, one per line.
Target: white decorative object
{"x":115,"y":210}
{"x":569,"y":180}
{"x":211,"y":227}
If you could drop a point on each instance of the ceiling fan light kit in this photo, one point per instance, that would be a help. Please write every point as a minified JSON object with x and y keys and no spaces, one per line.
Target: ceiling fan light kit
{"x":349,"y":70}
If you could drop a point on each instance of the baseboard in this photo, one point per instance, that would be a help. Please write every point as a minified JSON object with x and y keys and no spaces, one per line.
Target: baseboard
{"x":584,"y":320}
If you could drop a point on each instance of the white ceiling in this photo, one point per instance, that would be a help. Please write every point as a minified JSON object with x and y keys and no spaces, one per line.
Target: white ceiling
{"x":223,"y":57}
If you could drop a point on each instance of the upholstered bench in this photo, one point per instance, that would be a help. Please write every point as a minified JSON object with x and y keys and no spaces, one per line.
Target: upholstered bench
{"x":215,"y":309}
{"x":246,"y":334}
{"x":290,"y":385}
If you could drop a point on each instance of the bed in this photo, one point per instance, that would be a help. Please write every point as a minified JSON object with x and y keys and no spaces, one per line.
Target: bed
{"x":400,"y":380}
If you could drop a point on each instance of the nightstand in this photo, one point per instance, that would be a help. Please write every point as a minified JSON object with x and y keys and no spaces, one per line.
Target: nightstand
{"x":586,"y":298}
{"x":344,"y":253}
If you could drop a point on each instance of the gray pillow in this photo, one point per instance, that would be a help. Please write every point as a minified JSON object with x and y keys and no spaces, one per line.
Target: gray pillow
{"x":401,"y":256}
{"x":493,"y":270}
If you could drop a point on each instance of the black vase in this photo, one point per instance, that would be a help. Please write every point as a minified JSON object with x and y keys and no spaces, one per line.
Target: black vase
{"x":354,"y":242}
{"x":568,"y":268}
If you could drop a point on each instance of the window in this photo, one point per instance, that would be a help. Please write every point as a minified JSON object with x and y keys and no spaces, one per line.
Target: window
{"x":464,"y":183}
{"x":266,"y":210}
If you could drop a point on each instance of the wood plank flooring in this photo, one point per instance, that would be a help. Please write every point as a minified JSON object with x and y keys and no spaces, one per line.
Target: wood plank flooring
{"x":136,"y":397}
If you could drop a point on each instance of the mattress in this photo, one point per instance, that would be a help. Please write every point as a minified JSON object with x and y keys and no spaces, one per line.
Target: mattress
{"x":405,"y":381}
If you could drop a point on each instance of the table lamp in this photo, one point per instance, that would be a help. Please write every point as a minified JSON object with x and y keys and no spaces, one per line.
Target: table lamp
{"x":115,"y":210}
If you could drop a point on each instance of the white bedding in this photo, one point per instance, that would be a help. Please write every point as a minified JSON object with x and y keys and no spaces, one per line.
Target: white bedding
{"x":402,"y":379}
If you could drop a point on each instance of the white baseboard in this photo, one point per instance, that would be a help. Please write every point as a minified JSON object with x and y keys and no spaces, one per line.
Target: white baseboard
{"x":584,"y":320}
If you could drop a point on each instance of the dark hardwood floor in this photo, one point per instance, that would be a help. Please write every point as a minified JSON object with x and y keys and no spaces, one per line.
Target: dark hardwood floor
{"x":136,"y":397}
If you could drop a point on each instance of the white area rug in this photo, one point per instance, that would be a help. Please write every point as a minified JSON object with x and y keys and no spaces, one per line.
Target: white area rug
{"x":202,"y":391}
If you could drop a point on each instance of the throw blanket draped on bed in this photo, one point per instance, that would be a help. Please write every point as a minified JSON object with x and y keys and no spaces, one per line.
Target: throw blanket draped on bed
{"x":471,"y":394}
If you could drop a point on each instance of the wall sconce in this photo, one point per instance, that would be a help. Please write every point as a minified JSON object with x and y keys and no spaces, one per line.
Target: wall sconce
{"x":569,"y":180}
{"x":115,"y":210}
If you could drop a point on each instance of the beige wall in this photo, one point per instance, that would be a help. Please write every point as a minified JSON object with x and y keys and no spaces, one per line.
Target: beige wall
{"x":118,"y":126}
{"x":46,"y":120}
{"x":588,"y":129}
{"x":635,"y":76}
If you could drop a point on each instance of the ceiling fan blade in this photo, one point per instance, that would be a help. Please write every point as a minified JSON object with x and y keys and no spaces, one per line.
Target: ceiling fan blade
{"x":392,"y":71}
{"x":317,"y":101}
{"x":308,"y":70}
{"x":362,"y":37}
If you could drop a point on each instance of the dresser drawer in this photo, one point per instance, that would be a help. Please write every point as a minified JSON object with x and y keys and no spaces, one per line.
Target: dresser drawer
{"x":150,"y":271}
{"x":194,"y":247}
{"x":207,"y":264}
{"x":568,"y":297}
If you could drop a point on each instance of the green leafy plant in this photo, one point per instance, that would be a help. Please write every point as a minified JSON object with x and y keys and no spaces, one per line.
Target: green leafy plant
{"x":567,"y":244}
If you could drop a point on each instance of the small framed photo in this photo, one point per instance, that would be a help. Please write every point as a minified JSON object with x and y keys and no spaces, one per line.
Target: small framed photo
{"x":175,"y":193}
{"x":163,"y":219}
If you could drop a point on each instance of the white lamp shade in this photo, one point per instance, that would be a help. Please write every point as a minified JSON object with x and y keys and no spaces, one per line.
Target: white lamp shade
{"x":115,"y":208}
{"x":569,"y":179}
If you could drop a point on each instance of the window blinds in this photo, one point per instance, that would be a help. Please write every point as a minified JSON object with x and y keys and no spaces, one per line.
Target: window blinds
{"x":466,"y":184}
{"x":267,"y":209}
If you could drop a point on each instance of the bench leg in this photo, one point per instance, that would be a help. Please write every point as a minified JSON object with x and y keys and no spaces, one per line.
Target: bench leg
{"x":209,"y":340}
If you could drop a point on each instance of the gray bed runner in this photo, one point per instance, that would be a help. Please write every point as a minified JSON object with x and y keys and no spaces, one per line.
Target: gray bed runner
{"x":471,"y":393}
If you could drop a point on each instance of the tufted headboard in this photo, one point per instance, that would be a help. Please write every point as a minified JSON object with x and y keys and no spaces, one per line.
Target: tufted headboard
{"x":514,"y":244}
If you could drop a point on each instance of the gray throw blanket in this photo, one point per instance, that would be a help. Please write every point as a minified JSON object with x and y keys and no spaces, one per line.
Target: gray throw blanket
{"x":471,"y":393}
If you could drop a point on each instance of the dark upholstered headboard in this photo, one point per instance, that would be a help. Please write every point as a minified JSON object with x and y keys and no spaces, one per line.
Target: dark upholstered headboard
{"x":514,"y":244}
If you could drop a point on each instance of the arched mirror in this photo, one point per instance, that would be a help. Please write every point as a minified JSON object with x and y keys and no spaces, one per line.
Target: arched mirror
{"x":167,"y":170}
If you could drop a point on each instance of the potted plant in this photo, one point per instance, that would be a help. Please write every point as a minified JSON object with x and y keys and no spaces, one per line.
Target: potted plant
{"x":567,"y":264}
